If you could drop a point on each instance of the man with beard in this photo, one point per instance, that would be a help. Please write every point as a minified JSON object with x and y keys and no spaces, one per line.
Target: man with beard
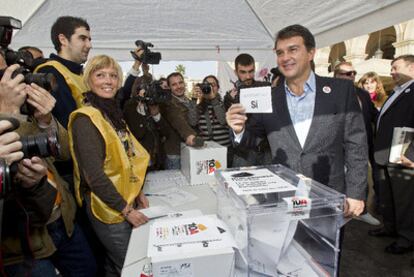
{"x":245,"y":70}
{"x":72,"y":41}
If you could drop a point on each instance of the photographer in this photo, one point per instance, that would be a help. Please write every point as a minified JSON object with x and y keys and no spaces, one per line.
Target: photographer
{"x":210,"y":114}
{"x":143,"y":118}
{"x":38,"y":231}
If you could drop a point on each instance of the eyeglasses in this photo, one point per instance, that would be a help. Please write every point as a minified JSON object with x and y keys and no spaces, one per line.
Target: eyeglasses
{"x":348,"y":73}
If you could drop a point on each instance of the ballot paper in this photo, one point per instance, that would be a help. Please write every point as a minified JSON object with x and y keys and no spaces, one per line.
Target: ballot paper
{"x":174,"y":196}
{"x":186,"y":235}
{"x":256,"y":100}
{"x":160,"y":180}
{"x":155,"y":211}
{"x":256,"y":181}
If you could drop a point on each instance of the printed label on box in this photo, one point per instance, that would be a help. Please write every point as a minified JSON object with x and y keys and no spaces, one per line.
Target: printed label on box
{"x":207,"y":167}
{"x":176,"y":269}
{"x":298,"y":207}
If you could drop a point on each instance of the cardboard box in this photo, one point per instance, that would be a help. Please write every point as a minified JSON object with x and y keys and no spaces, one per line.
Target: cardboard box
{"x":199,"y":164}
{"x":196,"y":246}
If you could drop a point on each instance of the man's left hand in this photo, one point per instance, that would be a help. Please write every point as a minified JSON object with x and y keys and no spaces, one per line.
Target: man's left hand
{"x":353,"y":207}
{"x":43,"y":102}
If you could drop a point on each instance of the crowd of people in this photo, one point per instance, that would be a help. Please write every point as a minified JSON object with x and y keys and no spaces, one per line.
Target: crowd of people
{"x":66,"y":209}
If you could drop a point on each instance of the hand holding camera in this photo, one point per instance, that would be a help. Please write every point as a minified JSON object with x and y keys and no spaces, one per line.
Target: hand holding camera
{"x":12,"y":90}
{"x":30,"y":172}
{"x":10,"y":145}
{"x":43,"y":102}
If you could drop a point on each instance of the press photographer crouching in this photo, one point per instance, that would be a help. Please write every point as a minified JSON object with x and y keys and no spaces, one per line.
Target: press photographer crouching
{"x":38,"y":229}
{"x":209,"y":117}
{"x":142,"y":115}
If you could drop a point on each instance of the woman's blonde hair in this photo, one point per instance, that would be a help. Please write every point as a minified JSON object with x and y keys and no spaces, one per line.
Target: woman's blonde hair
{"x":372,"y":75}
{"x":100,"y":62}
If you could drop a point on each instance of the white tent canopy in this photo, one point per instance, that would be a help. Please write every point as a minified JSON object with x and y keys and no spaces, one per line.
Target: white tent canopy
{"x":202,"y":29}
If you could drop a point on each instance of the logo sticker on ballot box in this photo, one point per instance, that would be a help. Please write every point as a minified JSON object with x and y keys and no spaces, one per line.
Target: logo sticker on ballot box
{"x":298,"y":207}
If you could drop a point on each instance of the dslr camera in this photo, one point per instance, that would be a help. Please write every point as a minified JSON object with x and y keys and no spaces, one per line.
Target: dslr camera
{"x":147,"y":57}
{"x":205,"y":87}
{"x":41,"y":145}
{"x":23,"y":58}
{"x":153,"y":93}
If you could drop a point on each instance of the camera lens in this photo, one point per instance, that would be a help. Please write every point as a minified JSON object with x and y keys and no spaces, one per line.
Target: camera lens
{"x":42,"y":145}
{"x":4,"y":178}
{"x":44,"y":80}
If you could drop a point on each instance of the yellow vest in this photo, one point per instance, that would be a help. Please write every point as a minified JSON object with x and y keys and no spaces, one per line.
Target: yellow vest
{"x":74,"y":81}
{"x":126,"y":173}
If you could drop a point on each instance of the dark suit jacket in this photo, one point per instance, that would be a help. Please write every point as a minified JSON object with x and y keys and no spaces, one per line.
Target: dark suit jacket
{"x":399,"y":114}
{"x":336,"y":138}
{"x":370,"y":114}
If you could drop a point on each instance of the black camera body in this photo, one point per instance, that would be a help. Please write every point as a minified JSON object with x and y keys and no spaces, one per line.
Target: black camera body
{"x":147,"y":57}
{"x":153,"y":93}
{"x":205,"y":87}
{"x":42,"y":145}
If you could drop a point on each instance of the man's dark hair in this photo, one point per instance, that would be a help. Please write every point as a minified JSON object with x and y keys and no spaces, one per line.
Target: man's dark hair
{"x":213,"y":77}
{"x":406,"y":58}
{"x":66,"y":25}
{"x":174,"y":74}
{"x":244,"y":60}
{"x":297,"y":31}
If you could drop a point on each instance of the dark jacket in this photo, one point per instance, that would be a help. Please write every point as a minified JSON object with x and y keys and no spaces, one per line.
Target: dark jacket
{"x":399,"y":114}
{"x":39,"y":203}
{"x":176,"y":114}
{"x":336,"y":138}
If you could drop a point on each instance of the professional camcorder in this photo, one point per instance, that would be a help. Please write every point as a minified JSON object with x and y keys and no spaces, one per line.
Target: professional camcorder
{"x":153,"y":93}
{"x":23,"y":58}
{"x":41,"y":145}
{"x":205,"y":87}
{"x":147,"y":57}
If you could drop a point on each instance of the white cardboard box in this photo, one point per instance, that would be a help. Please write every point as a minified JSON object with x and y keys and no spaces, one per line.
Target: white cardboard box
{"x":191,"y":247}
{"x":199,"y":164}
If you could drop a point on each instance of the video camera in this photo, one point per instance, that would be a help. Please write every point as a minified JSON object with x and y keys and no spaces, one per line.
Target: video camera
{"x":153,"y":93}
{"x":23,"y":58}
{"x":41,"y":145}
{"x":147,"y":57}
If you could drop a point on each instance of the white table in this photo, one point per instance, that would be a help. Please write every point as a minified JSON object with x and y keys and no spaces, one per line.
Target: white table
{"x":136,"y":256}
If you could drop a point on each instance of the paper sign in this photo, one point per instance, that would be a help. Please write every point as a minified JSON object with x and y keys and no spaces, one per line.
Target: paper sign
{"x":256,"y":181}
{"x":176,"y":236}
{"x":256,"y":100}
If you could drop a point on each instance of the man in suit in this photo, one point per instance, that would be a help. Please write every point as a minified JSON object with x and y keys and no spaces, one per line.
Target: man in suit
{"x":346,"y":71}
{"x":316,"y":127}
{"x":396,"y":180}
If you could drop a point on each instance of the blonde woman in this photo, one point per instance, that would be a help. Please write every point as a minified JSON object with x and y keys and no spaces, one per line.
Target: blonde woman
{"x":371,"y":82}
{"x":110,"y":164}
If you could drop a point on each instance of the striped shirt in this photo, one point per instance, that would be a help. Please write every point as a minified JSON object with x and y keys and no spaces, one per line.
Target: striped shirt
{"x":220,"y":132}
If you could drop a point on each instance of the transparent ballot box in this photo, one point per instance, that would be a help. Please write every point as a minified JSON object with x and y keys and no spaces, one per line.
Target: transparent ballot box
{"x":284,"y":223}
